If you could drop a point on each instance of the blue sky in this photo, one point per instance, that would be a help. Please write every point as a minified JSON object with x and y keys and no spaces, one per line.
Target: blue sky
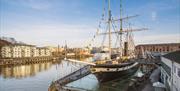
{"x":51,"y":22}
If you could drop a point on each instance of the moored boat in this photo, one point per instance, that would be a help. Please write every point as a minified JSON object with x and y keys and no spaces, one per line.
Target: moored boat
{"x":112,"y":65}
{"x":109,"y":72}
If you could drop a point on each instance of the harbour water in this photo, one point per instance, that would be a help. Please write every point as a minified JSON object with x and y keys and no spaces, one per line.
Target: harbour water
{"x":38,"y":77}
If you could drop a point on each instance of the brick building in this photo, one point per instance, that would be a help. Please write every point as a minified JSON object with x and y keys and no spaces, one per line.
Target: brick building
{"x":157,"y":49}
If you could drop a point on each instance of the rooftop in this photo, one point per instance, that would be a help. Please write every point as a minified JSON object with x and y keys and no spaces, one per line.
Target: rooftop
{"x":159,"y":44}
{"x":173,"y":56}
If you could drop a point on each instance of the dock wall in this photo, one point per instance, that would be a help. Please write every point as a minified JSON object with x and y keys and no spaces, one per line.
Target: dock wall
{"x":27,"y":60}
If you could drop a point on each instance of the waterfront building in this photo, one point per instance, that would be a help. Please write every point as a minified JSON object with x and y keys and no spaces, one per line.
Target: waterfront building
{"x":6,"y":52}
{"x":70,"y":54}
{"x":56,"y":51}
{"x":22,"y":50}
{"x":47,"y":52}
{"x":43,"y":51}
{"x":34,"y":52}
{"x":84,"y":51}
{"x":51,"y":48}
{"x":170,"y":71}
{"x":16,"y":51}
{"x":26,"y":51}
{"x":157,"y":49}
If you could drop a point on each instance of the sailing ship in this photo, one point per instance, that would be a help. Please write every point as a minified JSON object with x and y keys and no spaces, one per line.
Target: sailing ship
{"x":113,"y":65}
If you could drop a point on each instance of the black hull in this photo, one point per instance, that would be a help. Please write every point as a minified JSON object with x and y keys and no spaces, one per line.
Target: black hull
{"x":110,"y":76}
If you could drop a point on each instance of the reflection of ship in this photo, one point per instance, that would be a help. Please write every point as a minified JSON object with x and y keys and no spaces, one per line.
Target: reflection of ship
{"x":111,"y":65}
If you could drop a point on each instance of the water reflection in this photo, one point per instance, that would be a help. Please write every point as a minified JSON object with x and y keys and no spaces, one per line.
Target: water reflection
{"x":23,"y":71}
{"x":38,"y":77}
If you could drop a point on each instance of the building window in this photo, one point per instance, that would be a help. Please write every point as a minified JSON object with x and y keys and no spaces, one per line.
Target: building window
{"x":166,"y":68}
{"x":163,"y":49}
{"x":179,"y":72}
{"x":166,"y":78}
{"x":171,"y":49}
{"x":175,"y":69}
{"x":162,"y":78}
{"x":156,"y":50}
{"x":167,"y":48}
{"x":153,"y":48}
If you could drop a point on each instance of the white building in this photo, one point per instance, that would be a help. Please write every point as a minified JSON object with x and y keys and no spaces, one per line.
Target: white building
{"x":34,"y":51}
{"x":26,"y":51}
{"x":47,"y":52}
{"x":16,"y":51}
{"x":37,"y":52}
{"x":41,"y":51}
{"x":6,"y":52}
{"x":21,"y":50}
{"x":170,"y":71}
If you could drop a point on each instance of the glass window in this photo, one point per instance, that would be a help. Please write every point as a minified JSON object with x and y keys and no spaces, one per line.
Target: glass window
{"x":166,"y":77}
{"x":179,"y":72}
{"x":153,"y":48}
{"x":175,"y":69}
{"x":162,"y":78}
{"x":163,"y":49}
{"x":156,"y":50}
{"x":167,"y":48}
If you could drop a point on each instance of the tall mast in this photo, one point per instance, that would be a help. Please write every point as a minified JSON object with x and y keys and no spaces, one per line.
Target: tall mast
{"x":65,"y":49}
{"x":109,"y":26}
{"x":121,"y":30}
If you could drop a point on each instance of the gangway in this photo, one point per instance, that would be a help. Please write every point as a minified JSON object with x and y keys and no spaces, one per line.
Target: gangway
{"x":82,"y":72}
{"x":82,"y":62}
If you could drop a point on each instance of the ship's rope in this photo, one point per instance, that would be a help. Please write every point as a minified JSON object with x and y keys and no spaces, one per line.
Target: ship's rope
{"x":104,"y":37}
{"x":117,"y":35}
{"x":99,"y":25}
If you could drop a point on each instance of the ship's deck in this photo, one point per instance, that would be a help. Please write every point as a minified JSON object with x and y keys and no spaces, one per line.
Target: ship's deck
{"x":113,"y":65}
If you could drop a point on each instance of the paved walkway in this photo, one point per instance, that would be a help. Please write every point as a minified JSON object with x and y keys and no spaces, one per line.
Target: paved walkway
{"x":154,"y":77}
{"x":148,"y":87}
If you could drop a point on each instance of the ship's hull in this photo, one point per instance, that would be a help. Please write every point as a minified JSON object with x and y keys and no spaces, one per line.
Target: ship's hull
{"x":105,"y":76}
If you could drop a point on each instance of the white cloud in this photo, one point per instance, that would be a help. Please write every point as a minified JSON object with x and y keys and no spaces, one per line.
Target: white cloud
{"x":76,"y":35}
{"x":34,"y":4}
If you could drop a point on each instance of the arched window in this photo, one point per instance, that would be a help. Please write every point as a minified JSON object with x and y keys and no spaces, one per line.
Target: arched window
{"x":153,"y":48}
{"x":157,"y":50}
{"x":163,"y":49}
{"x":167,"y":48}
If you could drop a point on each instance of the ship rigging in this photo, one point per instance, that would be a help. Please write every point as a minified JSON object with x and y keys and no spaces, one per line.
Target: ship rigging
{"x":112,"y":67}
